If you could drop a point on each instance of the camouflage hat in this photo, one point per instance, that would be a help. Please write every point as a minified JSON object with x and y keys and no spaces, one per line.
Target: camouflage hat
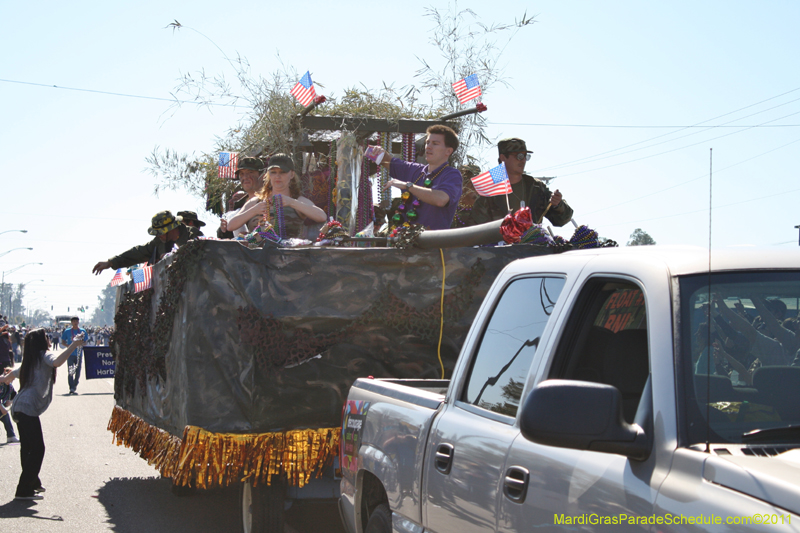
{"x":514,"y":144}
{"x":163,"y":222}
{"x":250,"y":163}
{"x":191,"y":216}
{"x":282,"y":161}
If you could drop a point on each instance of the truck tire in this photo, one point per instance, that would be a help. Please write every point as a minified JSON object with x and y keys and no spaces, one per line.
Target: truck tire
{"x":380,"y":521}
{"x":262,"y":508}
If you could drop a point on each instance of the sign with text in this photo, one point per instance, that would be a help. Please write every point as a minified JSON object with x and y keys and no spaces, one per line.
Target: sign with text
{"x":624,"y":309}
{"x":355,"y":412}
{"x":98,"y":362}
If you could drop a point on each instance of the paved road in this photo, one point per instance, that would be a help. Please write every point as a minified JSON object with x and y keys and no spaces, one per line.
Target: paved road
{"x":95,"y":486}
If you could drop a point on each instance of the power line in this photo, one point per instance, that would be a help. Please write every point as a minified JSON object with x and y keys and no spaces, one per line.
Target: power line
{"x":670,"y":133}
{"x":171,"y":100}
{"x":631,"y":126}
{"x":144,"y":238}
{"x":690,"y":180}
{"x":115,"y":219}
{"x":674,"y":149}
{"x":72,"y":286}
{"x":684,"y":136}
{"x":704,"y":209}
{"x":627,"y":126}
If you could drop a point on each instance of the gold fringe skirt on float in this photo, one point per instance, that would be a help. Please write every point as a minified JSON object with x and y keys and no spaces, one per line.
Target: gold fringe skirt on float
{"x":204,"y":460}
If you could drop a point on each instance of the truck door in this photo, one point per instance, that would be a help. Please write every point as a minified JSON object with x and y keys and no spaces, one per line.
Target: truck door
{"x":470,"y":439}
{"x":605,"y":340}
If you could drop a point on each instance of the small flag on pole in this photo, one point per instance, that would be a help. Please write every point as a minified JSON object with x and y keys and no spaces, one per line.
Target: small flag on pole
{"x":117,"y":279}
{"x":467,"y":89}
{"x":228,"y":161}
{"x":492,"y":182}
{"x":142,"y":278}
{"x":303,"y":90}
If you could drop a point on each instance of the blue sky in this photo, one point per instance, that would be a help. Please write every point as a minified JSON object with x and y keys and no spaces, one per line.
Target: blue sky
{"x":604,"y":93}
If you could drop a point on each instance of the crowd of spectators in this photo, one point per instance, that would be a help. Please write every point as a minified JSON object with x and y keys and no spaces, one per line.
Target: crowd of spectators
{"x":14,"y":336}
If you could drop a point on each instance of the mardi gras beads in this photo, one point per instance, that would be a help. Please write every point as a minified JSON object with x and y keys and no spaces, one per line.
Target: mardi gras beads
{"x":280,"y":225}
{"x":537,"y":235}
{"x":584,"y":237}
{"x":385,"y":193}
{"x":365,"y":213}
{"x":408,"y":208}
{"x":332,"y":180}
{"x":408,"y":147}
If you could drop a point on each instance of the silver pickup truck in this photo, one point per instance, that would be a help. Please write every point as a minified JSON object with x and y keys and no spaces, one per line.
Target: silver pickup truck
{"x":648,"y":388}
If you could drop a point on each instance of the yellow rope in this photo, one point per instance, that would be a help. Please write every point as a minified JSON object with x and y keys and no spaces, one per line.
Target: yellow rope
{"x":441,"y":316}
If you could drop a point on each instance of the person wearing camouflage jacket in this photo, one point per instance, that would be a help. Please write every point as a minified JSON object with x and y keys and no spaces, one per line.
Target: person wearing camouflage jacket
{"x":535,"y":194}
{"x":168,"y":230}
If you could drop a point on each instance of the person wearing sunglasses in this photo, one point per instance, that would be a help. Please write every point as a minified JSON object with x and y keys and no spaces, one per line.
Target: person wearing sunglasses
{"x":534,"y":193}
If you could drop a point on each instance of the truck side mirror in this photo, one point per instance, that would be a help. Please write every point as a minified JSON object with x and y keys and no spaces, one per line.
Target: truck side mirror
{"x":583,"y":416}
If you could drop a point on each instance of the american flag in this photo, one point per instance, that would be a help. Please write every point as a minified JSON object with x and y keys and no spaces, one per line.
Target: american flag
{"x":467,"y":89}
{"x":142,"y":278}
{"x":118,"y":278}
{"x":228,"y":161}
{"x":303,"y":90}
{"x":492,"y":182}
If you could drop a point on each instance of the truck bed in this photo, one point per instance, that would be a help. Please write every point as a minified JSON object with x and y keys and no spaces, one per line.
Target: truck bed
{"x":426,"y":392}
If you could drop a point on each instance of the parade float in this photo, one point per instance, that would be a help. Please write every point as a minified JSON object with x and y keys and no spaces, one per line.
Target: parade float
{"x":233,"y":367}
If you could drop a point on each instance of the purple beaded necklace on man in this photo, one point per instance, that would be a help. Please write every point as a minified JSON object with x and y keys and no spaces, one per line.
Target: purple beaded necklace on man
{"x":407,"y":211}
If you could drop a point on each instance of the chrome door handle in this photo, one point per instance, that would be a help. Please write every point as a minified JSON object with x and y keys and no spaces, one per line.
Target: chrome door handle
{"x":515,"y":484}
{"x":443,"y":460}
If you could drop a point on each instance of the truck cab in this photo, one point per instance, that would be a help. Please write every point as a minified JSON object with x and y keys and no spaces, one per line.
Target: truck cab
{"x":597,"y":389}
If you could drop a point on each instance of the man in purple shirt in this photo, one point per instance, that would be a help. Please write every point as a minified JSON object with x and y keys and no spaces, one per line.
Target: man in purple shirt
{"x":434,"y":189}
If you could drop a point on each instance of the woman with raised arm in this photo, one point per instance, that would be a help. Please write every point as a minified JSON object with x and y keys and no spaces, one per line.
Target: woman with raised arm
{"x":36,"y":377}
{"x":280,"y":201}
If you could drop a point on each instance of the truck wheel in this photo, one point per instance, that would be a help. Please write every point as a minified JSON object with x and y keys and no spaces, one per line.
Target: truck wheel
{"x":380,"y":521}
{"x":262,"y":508}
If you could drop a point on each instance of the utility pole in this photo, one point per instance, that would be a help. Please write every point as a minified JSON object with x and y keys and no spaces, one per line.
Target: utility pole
{"x":798,"y":237}
{"x":547,"y":180}
{"x":4,"y":280}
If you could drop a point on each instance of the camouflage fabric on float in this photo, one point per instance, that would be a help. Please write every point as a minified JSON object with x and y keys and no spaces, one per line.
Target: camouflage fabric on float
{"x":267,"y":342}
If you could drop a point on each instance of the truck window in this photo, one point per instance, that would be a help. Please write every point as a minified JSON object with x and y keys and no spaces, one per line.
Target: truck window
{"x":740,"y":354}
{"x":605,"y":340}
{"x":505,"y":352}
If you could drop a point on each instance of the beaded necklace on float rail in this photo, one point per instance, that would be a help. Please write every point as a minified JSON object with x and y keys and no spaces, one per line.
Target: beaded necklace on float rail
{"x":410,"y":155}
{"x":462,"y":209}
{"x":365,"y":213}
{"x":406,"y":207}
{"x":385,"y":194}
{"x":409,"y":148}
{"x":331,"y":213}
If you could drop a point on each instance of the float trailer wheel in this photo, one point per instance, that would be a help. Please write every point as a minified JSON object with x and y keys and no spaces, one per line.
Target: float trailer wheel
{"x":262,"y":508}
